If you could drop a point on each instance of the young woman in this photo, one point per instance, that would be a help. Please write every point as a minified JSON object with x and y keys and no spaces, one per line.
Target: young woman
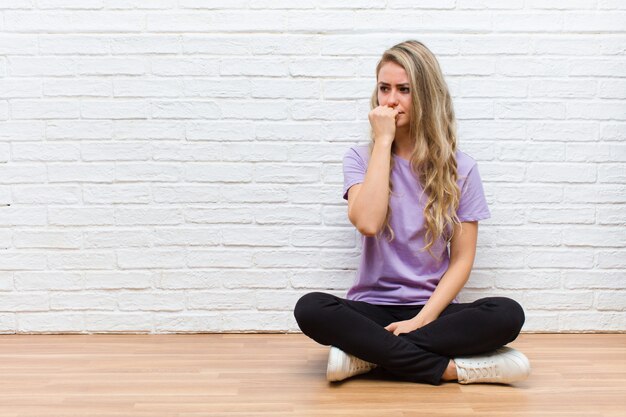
{"x":411,"y":193}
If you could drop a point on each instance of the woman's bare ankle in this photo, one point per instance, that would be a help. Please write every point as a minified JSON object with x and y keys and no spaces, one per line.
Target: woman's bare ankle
{"x":450,"y":373}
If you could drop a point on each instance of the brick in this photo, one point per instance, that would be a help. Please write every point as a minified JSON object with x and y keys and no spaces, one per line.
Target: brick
{"x":572,"y":300}
{"x":186,"y":194}
{"x":148,"y":129}
{"x":153,"y":258}
{"x":219,"y":258}
{"x":78,"y":129}
{"x":145,"y":44}
{"x":209,"y":300}
{"x":116,"y":280}
{"x":599,"y":321}
{"x":527,"y":22}
{"x":285,"y":131}
{"x":76,"y":21}
{"x":276,"y":279}
{"x":201,"y":321}
{"x":468,"y":110}
{"x":326,"y":279}
{"x":47,"y":239}
{"x":611,"y":214}
{"x":594,"y":279}
{"x":37,"y":66}
{"x":116,"y":194}
{"x":70,"y":4}
{"x":191,"y":279}
{"x":54,"y":322}
{"x":255,"y":236}
{"x":271,"y":301}
{"x":324,"y":238}
{"x":147,"y":216}
{"x":115,"y":322}
{"x":64,"y":44}
{"x":211,"y":172}
{"x":563,"y":89}
{"x":613,"y":300}
{"x":69,"y":216}
{"x":612,"y":173}
{"x":82,"y":301}
{"x":45,"y":152}
{"x":44,"y":109}
{"x":15,"y":131}
{"x":490,"y":4}
{"x":615,"y":89}
{"x":254,"y":110}
{"x":187,"y":237}
{"x":147,"y":88}
{"x":303,"y":110}
{"x":524,"y":280}
{"x":116,"y":239}
{"x":536,"y":152}
{"x":597,"y":193}
{"x":492,"y":129}
{"x":274,"y":173}
{"x":594,"y":21}
{"x":503,"y":172}
{"x":562,"y":215}
{"x":94,"y":172}
{"x":115,"y":109}
{"x":596,"y":67}
{"x":184,"y":109}
{"x":147,"y":172}
{"x":560,"y":258}
{"x":611,"y":259}
{"x":77,"y":88}
{"x":13,"y":261}
{"x":110,"y":66}
{"x":426,"y":4}
{"x":81,"y":260}
{"x":561,"y":172}
{"x":254,"y":193}
{"x":152,"y":301}
{"x":15,"y":88}
{"x":217,"y":87}
{"x":555,"y":131}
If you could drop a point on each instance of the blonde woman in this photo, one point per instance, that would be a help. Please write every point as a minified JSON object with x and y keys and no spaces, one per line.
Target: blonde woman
{"x":411,"y":193}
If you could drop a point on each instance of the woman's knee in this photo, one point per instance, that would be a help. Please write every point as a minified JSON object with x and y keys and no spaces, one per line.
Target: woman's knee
{"x":308,"y":309}
{"x":511,"y":311}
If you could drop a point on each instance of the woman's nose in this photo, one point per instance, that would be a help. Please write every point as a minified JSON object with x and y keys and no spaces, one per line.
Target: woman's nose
{"x":392,"y":99}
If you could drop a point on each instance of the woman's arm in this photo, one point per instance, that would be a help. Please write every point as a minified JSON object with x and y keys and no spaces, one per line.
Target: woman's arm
{"x":462,"y":253}
{"x":368,"y":201}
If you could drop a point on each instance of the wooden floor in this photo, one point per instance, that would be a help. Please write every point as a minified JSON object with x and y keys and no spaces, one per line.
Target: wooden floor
{"x":283,"y":375}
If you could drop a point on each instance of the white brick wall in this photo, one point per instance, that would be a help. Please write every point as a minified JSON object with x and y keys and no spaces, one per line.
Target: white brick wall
{"x":175,"y":165}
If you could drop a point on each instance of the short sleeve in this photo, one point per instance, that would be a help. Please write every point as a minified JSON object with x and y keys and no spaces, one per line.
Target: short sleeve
{"x":473,"y":204}
{"x":354,"y":169}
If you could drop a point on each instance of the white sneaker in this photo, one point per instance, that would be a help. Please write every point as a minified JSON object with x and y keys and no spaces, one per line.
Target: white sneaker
{"x":504,"y":365}
{"x":342,"y":366}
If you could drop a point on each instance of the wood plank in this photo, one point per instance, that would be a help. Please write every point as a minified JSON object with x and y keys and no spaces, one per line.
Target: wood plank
{"x":283,"y":375}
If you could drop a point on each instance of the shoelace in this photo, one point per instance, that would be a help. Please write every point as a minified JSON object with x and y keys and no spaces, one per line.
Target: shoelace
{"x":359,"y":364}
{"x":482,"y":371}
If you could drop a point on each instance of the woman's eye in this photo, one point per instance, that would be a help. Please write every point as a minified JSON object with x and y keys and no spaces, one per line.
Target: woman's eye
{"x":404,"y":90}
{"x":383,"y":88}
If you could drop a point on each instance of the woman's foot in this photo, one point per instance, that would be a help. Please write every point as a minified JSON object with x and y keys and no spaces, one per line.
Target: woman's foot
{"x":342,"y":365}
{"x":504,"y":365}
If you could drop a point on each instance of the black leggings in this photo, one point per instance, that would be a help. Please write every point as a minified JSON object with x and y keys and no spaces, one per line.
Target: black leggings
{"x":357,"y":328}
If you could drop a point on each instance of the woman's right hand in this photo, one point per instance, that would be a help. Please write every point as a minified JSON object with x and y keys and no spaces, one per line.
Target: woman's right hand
{"x":383,"y":122}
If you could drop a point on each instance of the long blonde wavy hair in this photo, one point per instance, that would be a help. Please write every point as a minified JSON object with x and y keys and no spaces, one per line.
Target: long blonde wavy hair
{"x":433,"y":128}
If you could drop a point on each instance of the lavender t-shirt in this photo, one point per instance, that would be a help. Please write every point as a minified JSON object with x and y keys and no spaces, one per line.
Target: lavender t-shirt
{"x":399,"y":272}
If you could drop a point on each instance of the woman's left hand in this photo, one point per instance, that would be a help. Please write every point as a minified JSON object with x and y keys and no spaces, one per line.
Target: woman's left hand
{"x":407,"y":326}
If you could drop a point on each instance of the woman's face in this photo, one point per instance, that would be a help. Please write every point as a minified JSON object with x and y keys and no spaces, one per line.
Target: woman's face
{"x":394,"y":91}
